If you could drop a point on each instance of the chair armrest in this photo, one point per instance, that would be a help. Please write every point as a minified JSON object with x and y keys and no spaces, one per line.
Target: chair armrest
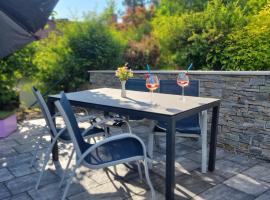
{"x":110,"y":139}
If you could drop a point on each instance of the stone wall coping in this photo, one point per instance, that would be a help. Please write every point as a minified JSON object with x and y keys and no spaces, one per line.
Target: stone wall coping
{"x":231,"y":73}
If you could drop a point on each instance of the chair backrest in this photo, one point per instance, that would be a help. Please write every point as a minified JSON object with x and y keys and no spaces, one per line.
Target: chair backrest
{"x":45,"y":111}
{"x":171,"y":87}
{"x":136,"y":85}
{"x":193,"y":89}
{"x":66,"y":111}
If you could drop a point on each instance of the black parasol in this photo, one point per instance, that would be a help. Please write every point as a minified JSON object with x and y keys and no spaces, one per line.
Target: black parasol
{"x":20,"y":20}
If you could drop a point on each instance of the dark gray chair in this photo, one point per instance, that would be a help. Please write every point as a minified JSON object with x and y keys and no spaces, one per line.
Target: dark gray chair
{"x":136,"y":85}
{"x":111,"y":151}
{"x":60,"y":134}
{"x":188,"y":127}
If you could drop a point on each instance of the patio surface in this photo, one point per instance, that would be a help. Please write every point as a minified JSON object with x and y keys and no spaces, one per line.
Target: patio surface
{"x":236,"y":177}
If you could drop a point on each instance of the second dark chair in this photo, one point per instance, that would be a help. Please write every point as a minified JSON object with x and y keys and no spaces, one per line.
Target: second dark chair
{"x":193,"y":126}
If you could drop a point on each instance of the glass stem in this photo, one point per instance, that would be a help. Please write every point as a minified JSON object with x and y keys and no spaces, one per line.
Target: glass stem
{"x":152,"y":102}
{"x":183,"y":91}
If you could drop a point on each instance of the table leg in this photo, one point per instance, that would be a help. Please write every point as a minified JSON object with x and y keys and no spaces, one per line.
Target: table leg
{"x":213,"y":139}
{"x":170,"y":160}
{"x":55,"y":147}
{"x":107,"y":114}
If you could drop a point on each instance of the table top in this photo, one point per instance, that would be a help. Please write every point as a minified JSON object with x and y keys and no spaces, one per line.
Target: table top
{"x":167,"y":104}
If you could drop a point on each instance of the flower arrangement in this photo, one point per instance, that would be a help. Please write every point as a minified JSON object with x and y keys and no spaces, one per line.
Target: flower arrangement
{"x":123,"y":73}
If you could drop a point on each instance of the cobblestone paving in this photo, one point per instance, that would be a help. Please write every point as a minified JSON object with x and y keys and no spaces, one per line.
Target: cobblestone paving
{"x":236,"y":177}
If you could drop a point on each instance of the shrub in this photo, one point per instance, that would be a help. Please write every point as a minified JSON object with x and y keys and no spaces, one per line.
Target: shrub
{"x":249,"y":49}
{"x":197,"y":37}
{"x":138,"y":54}
{"x":72,"y":50}
{"x":12,"y":69}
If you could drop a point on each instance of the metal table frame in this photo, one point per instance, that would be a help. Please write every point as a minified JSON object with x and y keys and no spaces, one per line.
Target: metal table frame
{"x":170,"y":135}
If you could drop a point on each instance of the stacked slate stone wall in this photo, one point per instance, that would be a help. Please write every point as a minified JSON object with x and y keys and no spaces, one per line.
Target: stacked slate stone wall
{"x":244,"y":123}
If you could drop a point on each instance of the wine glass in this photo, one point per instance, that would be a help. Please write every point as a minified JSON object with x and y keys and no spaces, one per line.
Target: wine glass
{"x":152,"y":83}
{"x":183,"y":81}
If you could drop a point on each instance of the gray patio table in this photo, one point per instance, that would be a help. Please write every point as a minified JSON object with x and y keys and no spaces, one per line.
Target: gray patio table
{"x":169,"y":108}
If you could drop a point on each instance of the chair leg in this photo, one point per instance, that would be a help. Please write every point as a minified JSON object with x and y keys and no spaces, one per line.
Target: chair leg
{"x":69,"y":182}
{"x":36,"y":151}
{"x":204,"y":141}
{"x":46,"y":160}
{"x":65,"y":171}
{"x":139,"y":170}
{"x":153,"y":193}
{"x":47,"y":157}
{"x":150,"y":147}
{"x":129,"y":128}
{"x":156,"y":141}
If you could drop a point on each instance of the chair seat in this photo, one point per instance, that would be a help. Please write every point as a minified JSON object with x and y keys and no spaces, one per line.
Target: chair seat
{"x":65,"y":135}
{"x":188,"y":130}
{"x":114,"y":151}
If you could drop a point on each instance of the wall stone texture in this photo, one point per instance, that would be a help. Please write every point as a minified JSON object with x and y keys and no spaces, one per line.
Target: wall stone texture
{"x":244,"y":121}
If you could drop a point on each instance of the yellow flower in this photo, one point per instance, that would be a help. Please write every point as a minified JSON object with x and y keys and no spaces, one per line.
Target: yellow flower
{"x":123,"y":73}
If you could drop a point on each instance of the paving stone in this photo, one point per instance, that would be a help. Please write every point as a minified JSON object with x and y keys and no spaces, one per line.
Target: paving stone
{"x":8,"y":143}
{"x":146,"y":196}
{"x":22,"y":170}
{"x":182,"y":166}
{"x":24,"y":148}
{"x":187,"y":165}
{"x":105,"y":191}
{"x":221,"y":153}
{"x":264,"y":196}
{"x":24,"y":183}
{"x":3,"y":191}
{"x":191,"y":142}
{"x":23,"y":196}
{"x":7,"y":151}
{"x":123,"y":172}
{"x":223,"y":192}
{"x":195,"y":156}
{"x":52,"y":191}
{"x":33,"y":138}
{"x":181,"y":149}
{"x":5,"y":175}
{"x":242,"y":160}
{"x":15,"y":160}
{"x":247,"y":184}
{"x":190,"y":185}
{"x":259,"y":172}
{"x":47,"y":192}
{"x":228,"y":168}
{"x":209,"y":177}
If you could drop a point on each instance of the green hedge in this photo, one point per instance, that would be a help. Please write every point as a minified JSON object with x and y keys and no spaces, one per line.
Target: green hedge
{"x":73,"y":49}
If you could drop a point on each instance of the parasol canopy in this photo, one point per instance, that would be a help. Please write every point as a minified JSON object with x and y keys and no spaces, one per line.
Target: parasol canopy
{"x":20,"y":20}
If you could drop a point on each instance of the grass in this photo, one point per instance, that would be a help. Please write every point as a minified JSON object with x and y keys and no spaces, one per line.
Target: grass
{"x":5,"y":114}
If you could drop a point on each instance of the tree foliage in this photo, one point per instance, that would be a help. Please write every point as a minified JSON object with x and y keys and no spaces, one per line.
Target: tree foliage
{"x":12,"y":69}
{"x":202,"y":37}
{"x":68,"y":55}
{"x":248,"y":48}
